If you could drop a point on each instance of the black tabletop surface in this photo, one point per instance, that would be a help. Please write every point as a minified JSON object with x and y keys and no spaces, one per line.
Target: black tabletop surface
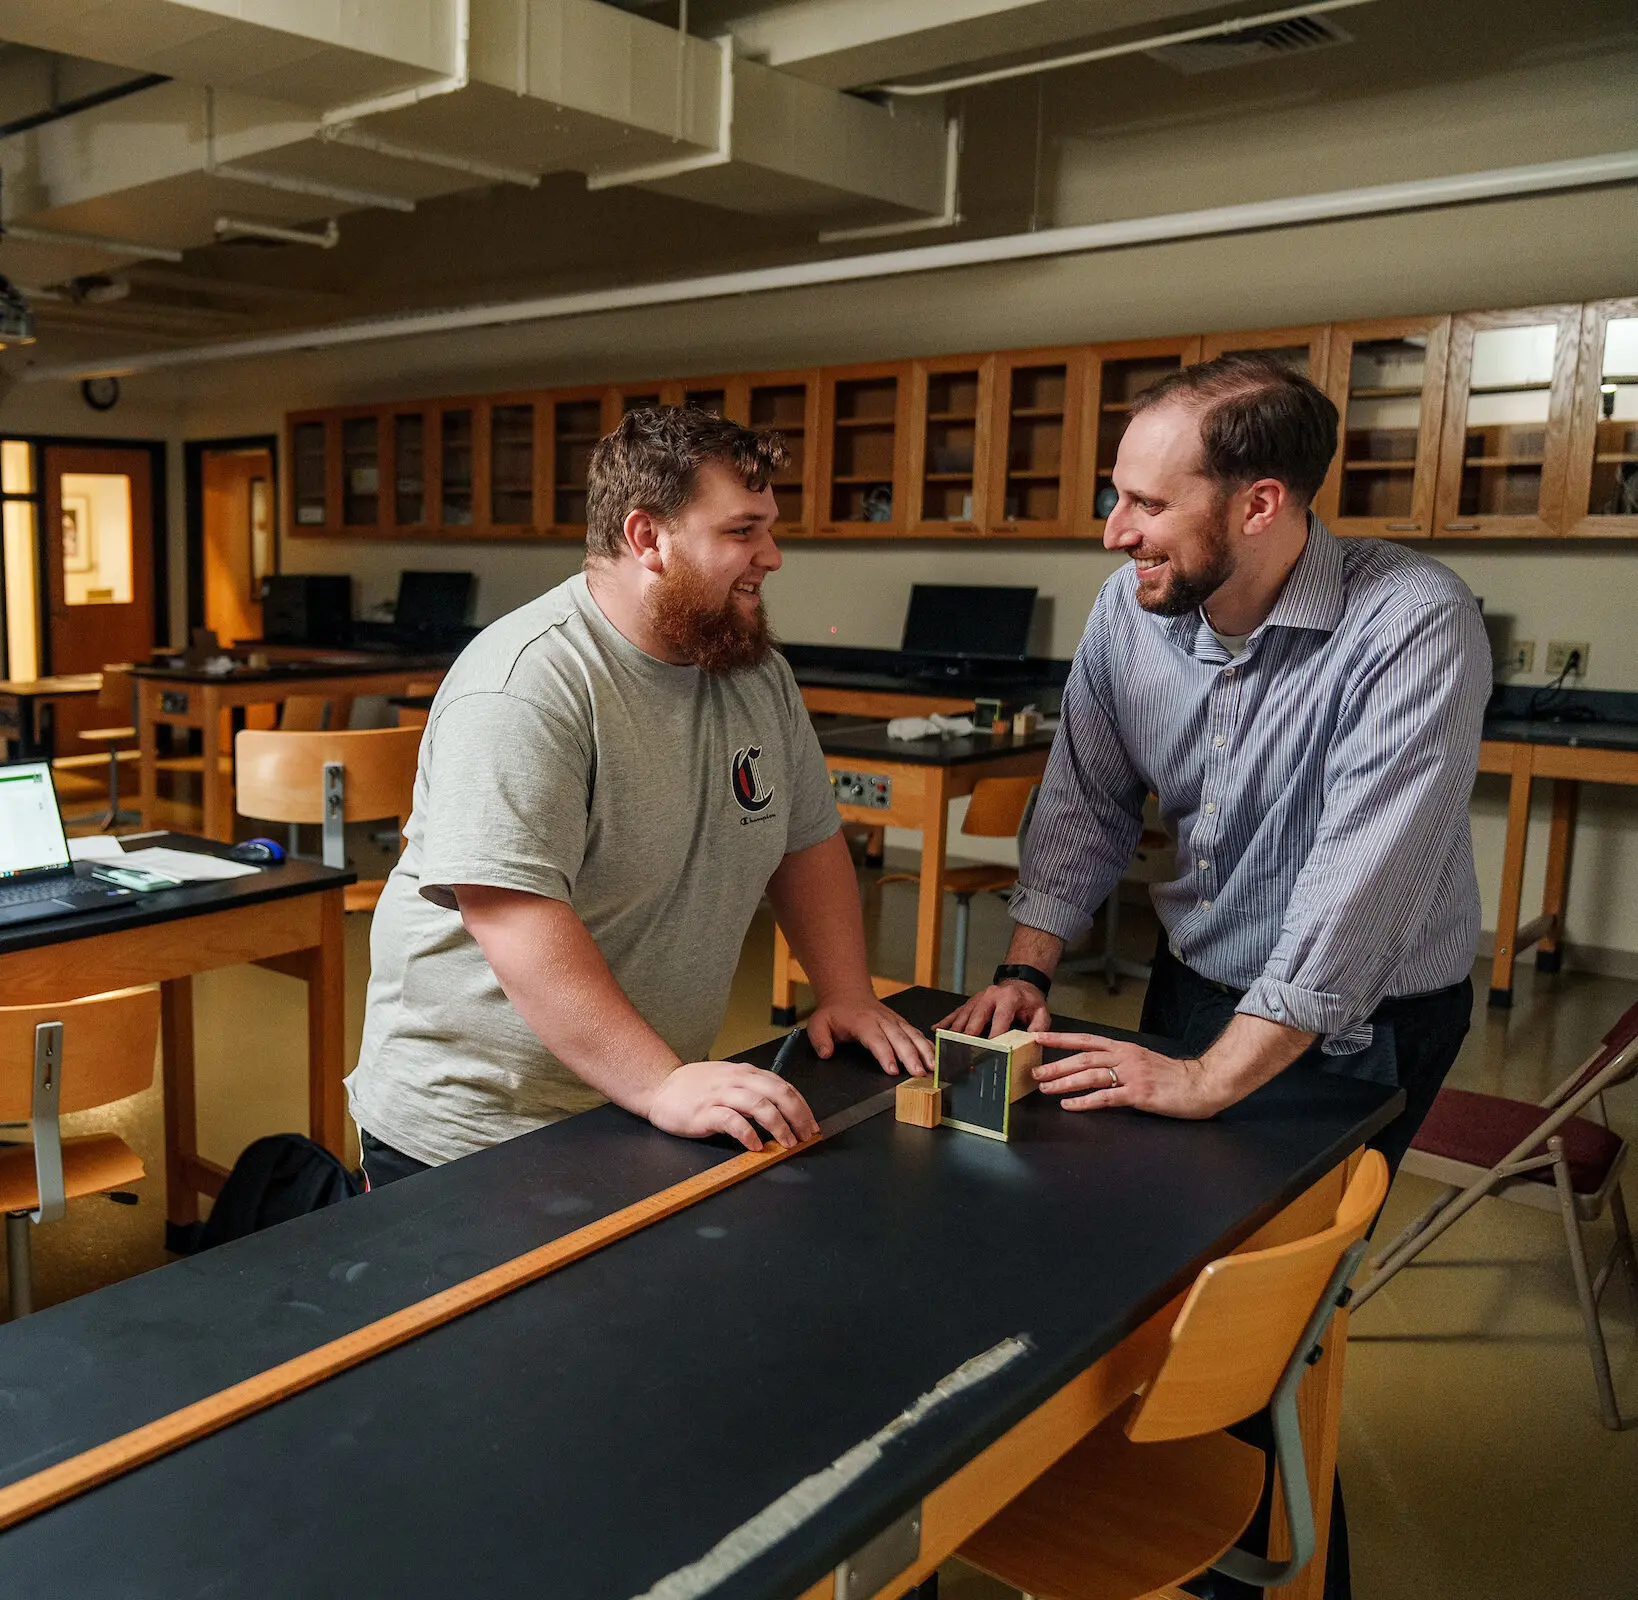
{"x":188,"y":900}
{"x":1605,"y":719}
{"x":1548,"y":730}
{"x":1040,"y":678}
{"x":598,"y":1430}
{"x":868,"y":741}
{"x":349,"y":665}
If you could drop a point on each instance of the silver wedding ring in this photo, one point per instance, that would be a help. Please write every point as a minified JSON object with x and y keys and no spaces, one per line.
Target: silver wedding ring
{"x":1114,"y":1077}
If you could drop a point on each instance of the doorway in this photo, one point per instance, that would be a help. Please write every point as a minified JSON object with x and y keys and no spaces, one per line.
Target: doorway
{"x":232,"y":520}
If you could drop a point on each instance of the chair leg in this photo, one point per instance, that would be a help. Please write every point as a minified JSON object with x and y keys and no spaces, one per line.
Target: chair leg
{"x":19,"y":1284}
{"x":1623,"y":1237}
{"x":964,"y":910}
{"x":1422,"y":1220}
{"x":1609,"y":1413}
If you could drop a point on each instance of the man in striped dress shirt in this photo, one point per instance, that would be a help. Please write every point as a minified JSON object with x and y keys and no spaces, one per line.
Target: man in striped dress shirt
{"x":1307,"y":709}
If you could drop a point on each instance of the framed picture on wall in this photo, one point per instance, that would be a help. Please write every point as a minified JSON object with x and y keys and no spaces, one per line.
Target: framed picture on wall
{"x":261,"y":536}
{"x":79,"y":553}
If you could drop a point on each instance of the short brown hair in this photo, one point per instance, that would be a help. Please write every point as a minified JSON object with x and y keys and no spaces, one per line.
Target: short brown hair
{"x":1258,"y":419}
{"x":651,"y":463}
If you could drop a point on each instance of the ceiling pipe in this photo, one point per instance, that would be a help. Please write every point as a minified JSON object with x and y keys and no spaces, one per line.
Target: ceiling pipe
{"x":84,"y":102}
{"x":451,"y":83}
{"x":947,"y":218}
{"x":1210,"y":30}
{"x":90,"y":241}
{"x":356,"y":139}
{"x":1413,"y":195}
{"x":241,"y":228}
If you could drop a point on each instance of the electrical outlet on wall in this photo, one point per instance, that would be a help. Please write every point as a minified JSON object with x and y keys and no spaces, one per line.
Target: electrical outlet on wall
{"x":1559,"y":653}
{"x":1520,"y":656}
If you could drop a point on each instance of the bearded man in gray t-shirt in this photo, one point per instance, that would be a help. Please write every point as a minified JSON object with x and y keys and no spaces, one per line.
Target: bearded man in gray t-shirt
{"x":610,"y":779}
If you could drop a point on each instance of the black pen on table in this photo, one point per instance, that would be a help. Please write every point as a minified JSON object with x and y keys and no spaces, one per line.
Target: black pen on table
{"x":786,"y":1050}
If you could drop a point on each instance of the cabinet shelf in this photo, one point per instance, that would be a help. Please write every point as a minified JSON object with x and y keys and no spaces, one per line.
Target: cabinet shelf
{"x":953,"y":416}
{"x":1510,"y":388}
{"x":863,"y":422}
{"x":1040,"y":412}
{"x":1035,"y":477}
{"x":944,"y":477}
{"x":1503,"y":461}
{"x":1395,"y":464}
{"x":1615,"y":457}
{"x":1393,"y":391}
{"x":869,"y":477}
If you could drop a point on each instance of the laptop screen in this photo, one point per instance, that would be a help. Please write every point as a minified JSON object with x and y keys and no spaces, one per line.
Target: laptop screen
{"x":31,"y":826}
{"x":968,"y":623}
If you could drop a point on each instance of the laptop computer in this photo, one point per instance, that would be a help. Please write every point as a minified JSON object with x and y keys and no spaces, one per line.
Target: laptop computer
{"x":37,"y":878}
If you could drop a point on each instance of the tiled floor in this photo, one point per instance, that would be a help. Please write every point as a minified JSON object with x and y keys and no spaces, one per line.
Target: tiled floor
{"x":1475,"y":1465}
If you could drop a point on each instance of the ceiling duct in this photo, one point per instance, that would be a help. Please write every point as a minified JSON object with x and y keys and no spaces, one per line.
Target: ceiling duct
{"x":1292,"y":36}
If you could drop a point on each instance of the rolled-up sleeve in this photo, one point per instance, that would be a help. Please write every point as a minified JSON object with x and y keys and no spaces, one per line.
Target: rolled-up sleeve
{"x":1090,"y":811}
{"x":1398,"y":776}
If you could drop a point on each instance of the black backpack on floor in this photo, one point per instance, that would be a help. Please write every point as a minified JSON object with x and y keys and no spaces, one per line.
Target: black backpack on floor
{"x":275,"y":1179}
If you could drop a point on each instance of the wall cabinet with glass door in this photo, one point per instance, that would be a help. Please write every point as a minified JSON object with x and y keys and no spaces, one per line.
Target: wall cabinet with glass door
{"x":949,"y":445}
{"x":864,"y":443}
{"x":1601,"y":481}
{"x":1035,"y":443}
{"x":1509,"y":393}
{"x":313,"y":457}
{"x":787,"y":402}
{"x":1305,"y":350}
{"x":575,"y":420}
{"x":1387,"y":378}
{"x":1116,"y":375}
{"x":406,"y":468}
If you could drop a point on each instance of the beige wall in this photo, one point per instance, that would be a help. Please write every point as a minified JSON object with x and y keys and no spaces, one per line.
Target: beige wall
{"x":1564,"y":247}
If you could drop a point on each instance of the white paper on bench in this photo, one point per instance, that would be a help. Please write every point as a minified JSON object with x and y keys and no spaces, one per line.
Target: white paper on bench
{"x":188,"y":865}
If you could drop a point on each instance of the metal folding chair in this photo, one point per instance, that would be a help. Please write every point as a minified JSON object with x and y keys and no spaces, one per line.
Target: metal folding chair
{"x":1548,"y":1156}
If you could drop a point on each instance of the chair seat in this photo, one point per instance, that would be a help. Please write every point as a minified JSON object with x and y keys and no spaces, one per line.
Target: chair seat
{"x":92,"y":1164}
{"x":362,"y":896}
{"x":1480,"y":1129}
{"x":1115,"y":1520}
{"x":105,"y":735}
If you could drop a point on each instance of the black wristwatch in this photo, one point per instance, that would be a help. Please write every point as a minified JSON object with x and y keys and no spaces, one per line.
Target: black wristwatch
{"x":1017,"y":969}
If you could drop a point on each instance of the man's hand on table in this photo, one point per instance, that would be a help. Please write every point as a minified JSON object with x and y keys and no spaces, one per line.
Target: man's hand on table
{"x":1105,"y":1073}
{"x":700,"y":1098}
{"x":882,"y":1031}
{"x":999,"y":1009}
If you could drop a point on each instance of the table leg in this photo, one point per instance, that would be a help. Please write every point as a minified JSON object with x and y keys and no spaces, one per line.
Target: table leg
{"x":1512,"y":884}
{"x":935,"y":826}
{"x":147,"y":751}
{"x":218,"y":796}
{"x":782,"y":1012}
{"x":1566,"y":799}
{"x":327,"y":1029}
{"x":181,"y":1129}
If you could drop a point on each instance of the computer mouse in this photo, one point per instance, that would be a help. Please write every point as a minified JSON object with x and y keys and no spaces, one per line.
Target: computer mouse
{"x":258,"y":852}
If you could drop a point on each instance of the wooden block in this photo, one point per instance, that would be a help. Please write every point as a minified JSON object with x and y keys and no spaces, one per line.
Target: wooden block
{"x":920,"y":1102}
{"x":1023,"y":1057}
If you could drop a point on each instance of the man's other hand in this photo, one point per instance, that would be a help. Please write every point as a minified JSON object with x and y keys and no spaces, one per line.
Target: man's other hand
{"x":700,"y":1098}
{"x":999,"y":1009}
{"x":1105,"y":1073}
{"x":883,"y":1032}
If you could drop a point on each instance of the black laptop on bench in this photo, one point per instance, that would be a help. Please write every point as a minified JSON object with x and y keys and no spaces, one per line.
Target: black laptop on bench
{"x":37,"y":878}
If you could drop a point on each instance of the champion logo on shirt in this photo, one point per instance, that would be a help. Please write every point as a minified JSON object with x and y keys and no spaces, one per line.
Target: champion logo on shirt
{"x":750,"y":794}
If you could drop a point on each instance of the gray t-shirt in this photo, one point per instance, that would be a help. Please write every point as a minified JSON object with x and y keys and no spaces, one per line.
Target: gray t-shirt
{"x":561,"y":760}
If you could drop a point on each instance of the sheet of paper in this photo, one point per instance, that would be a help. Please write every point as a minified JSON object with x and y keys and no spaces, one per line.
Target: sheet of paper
{"x":188,"y":865}
{"x":96,"y":847}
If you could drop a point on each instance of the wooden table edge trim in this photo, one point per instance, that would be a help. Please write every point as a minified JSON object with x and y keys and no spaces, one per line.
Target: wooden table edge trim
{"x":112,"y":1459}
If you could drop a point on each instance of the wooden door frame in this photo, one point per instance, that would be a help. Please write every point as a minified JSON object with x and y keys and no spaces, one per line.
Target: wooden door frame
{"x":159,"y":513}
{"x":194,"y":452}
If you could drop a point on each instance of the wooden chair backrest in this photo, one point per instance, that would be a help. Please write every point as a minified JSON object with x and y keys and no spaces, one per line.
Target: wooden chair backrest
{"x":303,"y":713}
{"x":109,"y":1041}
{"x":997,"y":807}
{"x":1241,"y":1322}
{"x":115,"y":693}
{"x":281,"y":775}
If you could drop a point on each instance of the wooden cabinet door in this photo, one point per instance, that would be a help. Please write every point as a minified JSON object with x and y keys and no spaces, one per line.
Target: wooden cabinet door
{"x":1305,"y":350}
{"x":512,"y":505}
{"x":363,"y":505}
{"x":1116,"y":375}
{"x":406,"y":462}
{"x":1509,"y":394}
{"x":950,"y":414}
{"x":1387,"y":378}
{"x":705,"y":394}
{"x":787,"y":402}
{"x":313,"y":474}
{"x":1601,"y":480}
{"x":1035,"y":439}
{"x":578,"y":419}
{"x":864,"y":450}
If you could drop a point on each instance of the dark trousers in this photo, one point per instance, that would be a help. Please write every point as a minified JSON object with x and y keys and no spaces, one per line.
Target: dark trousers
{"x":382,"y":1164}
{"x":1428,"y":1030}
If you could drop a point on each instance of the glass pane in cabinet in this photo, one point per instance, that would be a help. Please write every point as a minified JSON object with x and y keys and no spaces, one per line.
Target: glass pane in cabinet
{"x":952,"y":436}
{"x":512,"y":465}
{"x":1509,"y":396}
{"x":455,"y":467}
{"x":784,"y":408}
{"x":1122,"y":382}
{"x":1381,"y":426}
{"x":862,"y":473}
{"x":307,"y":473}
{"x":577,"y":428}
{"x":635,"y":402}
{"x":409,"y":470}
{"x":1293,"y":357}
{"x":1615,"y":439}
{"x":713,"y":400}
{"x":360,"y":472}
{"x":1035,"y":442}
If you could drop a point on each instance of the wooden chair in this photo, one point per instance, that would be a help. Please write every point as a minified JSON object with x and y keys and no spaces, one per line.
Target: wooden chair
{"x":115,"y":744}
{"x":999,"y":809}
{"x":413,"y":716}
{"x":331,"y":778}
{"x":66,"y":1058}
{"x":1548,"y":1156}
{"x":1159,"y":1492}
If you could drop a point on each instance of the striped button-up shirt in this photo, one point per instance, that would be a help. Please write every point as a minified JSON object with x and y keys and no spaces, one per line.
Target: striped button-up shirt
{"x":1317,"y":785}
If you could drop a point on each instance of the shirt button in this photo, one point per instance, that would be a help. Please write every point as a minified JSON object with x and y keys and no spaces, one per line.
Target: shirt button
{"x":1275,"y":1006}
{"x":1205,"y":865}
{"x":1228,"y":672}
{"x":1219,"y":741}
{"x":1177,"y":954}
{"x":1211,"y":807}
{"x":1205,"y":905}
